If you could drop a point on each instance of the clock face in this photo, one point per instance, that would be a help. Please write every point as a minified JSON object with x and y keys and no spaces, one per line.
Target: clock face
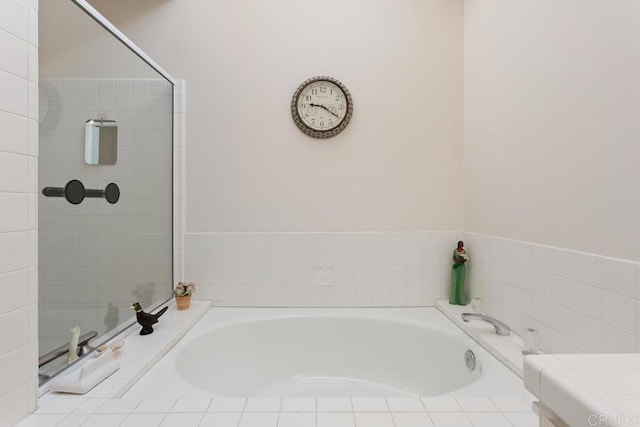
{"x":321,"y":107}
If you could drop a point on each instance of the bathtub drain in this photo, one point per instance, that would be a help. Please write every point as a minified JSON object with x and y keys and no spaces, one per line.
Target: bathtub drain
{"x":470,"y":360}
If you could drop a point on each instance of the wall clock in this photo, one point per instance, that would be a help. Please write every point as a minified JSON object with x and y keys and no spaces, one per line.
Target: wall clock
{"x":321,"y":107}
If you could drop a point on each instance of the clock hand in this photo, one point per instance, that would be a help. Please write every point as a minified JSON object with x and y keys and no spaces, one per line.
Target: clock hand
{"x":322,"y":106}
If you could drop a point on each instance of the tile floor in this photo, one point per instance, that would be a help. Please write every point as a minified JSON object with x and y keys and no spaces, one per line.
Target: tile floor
{"x":285,"y":412}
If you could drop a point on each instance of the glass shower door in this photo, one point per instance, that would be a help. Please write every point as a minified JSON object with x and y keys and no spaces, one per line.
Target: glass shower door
{"x":105,"y":175}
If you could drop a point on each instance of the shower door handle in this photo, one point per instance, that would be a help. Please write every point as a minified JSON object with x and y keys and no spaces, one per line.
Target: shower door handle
{"x":75,"y":192}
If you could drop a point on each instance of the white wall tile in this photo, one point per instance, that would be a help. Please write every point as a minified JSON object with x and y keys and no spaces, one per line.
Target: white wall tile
{"x":562,"y":262}
{"x":562,"y":319}
{"x":12,"y":166}
{"x":14,"y":57}
{"x":619,"y":312}
{"x":15,"y":133}
{"x":15,"y":210}
{"x":373,"y":271}
{"x":541,"y":283}
{"x":588,"y":300}
{"x":617,"y":341}
{"x":14,"y":251}
{"x":579,"y":302}
{"x":562,"y":291}
{"x":18,"y":334}
{"x":588,"y":332}
{"x":13,"y":97}
{"x":15,"y":405}
{"x":587,"y":269}
{"x":559,"y":343}
{"x":619,"y":276}
{"x":541,"y":310}
{"x":14,"y":18}
{"x":541,"y":257}
{"x":19,"y":372}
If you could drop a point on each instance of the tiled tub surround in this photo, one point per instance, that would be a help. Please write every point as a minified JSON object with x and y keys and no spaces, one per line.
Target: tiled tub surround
{"x":579,"y":302}
{"x":96,"y":258}
{"x":96,"y":409}
{"x":340,"y":269}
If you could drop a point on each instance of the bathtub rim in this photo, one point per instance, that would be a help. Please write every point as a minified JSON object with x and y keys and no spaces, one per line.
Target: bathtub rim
{"x":490,"y":365}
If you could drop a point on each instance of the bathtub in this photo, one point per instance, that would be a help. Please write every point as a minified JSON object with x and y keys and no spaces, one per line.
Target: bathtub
{"x":361,"y":352}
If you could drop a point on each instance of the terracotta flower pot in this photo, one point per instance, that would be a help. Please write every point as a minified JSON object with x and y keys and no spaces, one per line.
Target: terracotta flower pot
{"x":183,"y":302}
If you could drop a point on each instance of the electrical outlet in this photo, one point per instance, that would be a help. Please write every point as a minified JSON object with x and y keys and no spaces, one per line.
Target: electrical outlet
{"x":321,"y":276}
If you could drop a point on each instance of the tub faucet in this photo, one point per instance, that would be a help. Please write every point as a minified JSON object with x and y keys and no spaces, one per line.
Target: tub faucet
{"x":501,"y":327}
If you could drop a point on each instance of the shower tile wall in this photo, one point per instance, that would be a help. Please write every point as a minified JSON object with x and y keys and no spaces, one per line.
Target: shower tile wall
{"x":579,"y":302}
{"x":18,"y":212}
{"x":320,"y":269}
{"x":97,"y":258}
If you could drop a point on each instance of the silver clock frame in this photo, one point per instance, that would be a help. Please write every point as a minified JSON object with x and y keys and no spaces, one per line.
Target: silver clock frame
{"x":314,"y":132}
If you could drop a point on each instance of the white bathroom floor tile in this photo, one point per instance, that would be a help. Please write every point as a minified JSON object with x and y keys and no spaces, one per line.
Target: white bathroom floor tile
{"x":441,"y":404}
{"x":405,"y":404}
{"x":44,"y":420}
{"x":259,"y":419}
{"x":182,"y":420}
{"x":298,"y":404}
{"x":369,"y":404}
{"x":511,"y":404}
{"x":411,"y":419}
{"x":191,"y":405}
{"x":104,"y":420}
{"x":450,"y":419}
{"x":523,"y":420}
{"x":476,"y":404}
{"x":90,"y":406}
{"x":297,"y":419}
{"x":118,"y":406}
{"x":60,"y":406}
{"x":155,"y":406}
{"x":373,"y":419}
{"x":109,"y":388}
{"x":488,"y":419}
{"x":73,"y":420}
{"x":143,"y":420}
{"x":263,"y":405}
{"x":334,"y":404}
{"x":335,"y":419}
{"x":228,"y":404}
{"x":223,"y":419}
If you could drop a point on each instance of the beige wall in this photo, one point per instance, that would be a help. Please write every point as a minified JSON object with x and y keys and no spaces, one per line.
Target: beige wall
{"x":396,"y":167}
{"x":552,"y":108}
{"x":73,"y":45}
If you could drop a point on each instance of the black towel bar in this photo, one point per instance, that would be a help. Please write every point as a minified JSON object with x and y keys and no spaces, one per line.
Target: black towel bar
{"x":75,"y":192}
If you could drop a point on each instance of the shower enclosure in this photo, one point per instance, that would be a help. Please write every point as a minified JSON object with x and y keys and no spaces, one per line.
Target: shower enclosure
{"x":106,"y":182}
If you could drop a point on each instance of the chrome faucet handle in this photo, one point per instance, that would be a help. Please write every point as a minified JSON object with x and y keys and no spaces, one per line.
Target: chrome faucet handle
{"x":501,"y":328}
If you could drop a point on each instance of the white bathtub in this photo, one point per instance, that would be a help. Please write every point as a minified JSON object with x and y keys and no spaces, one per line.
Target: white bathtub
{"x":261,"y":352}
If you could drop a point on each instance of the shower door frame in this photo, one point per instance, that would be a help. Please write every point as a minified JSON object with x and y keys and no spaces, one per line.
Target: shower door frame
{"x":115,"y":32}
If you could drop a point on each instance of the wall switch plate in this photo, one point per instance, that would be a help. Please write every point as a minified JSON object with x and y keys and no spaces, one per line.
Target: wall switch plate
{"x":321,"y":276}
